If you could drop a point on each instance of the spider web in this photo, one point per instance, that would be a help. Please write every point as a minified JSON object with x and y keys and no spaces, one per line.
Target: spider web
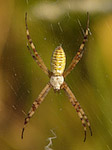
{"x":50,"y":139}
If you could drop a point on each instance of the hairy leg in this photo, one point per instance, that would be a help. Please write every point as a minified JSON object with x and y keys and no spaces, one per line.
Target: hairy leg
{"x":40,"y":61}
{"x":78,"y":108}
{"x":80,"y":52}
{"x":35,"y":105}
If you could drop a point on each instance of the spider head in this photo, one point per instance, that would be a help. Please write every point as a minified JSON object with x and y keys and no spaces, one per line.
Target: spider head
{"x":56,"y":82}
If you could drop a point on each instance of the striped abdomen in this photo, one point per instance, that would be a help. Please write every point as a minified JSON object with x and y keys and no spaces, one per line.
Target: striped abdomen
{"x":58,"y":61}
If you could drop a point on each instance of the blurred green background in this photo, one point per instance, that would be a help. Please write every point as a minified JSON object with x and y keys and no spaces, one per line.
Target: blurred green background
{"x":51,"y":23}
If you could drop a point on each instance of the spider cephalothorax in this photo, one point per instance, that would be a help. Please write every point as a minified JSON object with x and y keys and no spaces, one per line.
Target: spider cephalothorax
{"x":56,"y":82}
{"x":57,"y":75}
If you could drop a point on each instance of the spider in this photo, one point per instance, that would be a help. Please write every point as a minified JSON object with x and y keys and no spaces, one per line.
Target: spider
{"x":57,"y":76}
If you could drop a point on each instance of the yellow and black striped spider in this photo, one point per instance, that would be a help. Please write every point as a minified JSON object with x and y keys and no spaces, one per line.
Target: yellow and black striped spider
{"x":57,"y":75}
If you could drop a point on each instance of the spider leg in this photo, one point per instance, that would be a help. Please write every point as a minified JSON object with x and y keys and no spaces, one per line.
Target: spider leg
{"x":33,"y":56}
{"x":40,"y":61}
{"x":80,"y":52}
{"x":35,"y":105}
{"x":78,"y":108}
{"x":85,"y":117}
